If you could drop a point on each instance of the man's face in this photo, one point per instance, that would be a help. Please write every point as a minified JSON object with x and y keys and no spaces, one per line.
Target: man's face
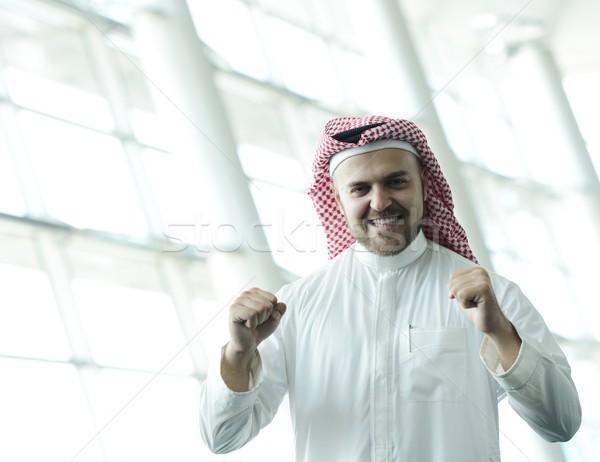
{"x":381,"y":196}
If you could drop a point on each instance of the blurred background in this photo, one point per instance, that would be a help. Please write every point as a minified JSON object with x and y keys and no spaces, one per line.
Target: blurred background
{"x":154,"y":162}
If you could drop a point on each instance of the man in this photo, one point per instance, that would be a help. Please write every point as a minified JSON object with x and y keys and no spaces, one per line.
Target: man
{"x":401,"y":346}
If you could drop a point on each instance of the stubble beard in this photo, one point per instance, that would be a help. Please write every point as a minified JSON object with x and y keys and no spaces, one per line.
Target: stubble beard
{"x":386,"y":243}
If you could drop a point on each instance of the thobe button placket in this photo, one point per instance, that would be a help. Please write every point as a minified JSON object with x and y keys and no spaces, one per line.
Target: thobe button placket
{"x":382,"y":436}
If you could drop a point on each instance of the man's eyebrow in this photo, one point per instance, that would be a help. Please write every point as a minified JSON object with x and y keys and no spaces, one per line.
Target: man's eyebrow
{"x":352,"y":184}
{"x":389,"y":176}
{"x":396,"y":174}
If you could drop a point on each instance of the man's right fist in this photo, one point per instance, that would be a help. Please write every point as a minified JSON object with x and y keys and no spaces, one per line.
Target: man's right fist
{"x":253,"y":316}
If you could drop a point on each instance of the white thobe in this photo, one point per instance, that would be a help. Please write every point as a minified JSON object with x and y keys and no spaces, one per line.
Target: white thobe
{"x":381,"y":365}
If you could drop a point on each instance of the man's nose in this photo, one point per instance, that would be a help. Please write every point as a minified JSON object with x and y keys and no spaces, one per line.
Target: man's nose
{"x":380,"y":199}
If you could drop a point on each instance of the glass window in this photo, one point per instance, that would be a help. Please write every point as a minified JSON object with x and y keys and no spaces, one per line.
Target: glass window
{"x":211,"y":318}
{"x":11,"y":199}
{"x":54,"y":98}
{"x":276,"y":440}
{"x":455,"y":127}
{"x":255,"y":117}
{"x":199,"y":277}
{"x":304,"y":62}
{"x":536,"y":281}
{"x":146,"y":124}
{"x":358,"y":82}
{"x":83,"y":176}
{"x":549,"y":159}
{"x":493,"y":200}
{"x":476,"y":128}
{"x":47,"y":69}
{"x":130,"y":70}
{"x":176,"y":190}
{"x":273,"y":168}
{"x":577,"y":243}
{"x":51,"y":51}
{"x":506,"y":265}
{"x":112,"y":262}
{"x":152,"y":418}
{"x":45,"y":414}
{"x":293,"y":232}
{"x":585,"y":445}
{"x":296,"y":10}
{"x":149,"y":129}
{"x":342,"y":19}
{"x":529,"y":237}
{"x":30,"y":324}
{"x":309,"y":121}
{"x":16,"y":244}
{"x":494,"y":143}
{"x":583,"y":92}
{"x":228,"y":28}
{"x":131,"y":328}
{"x":286,"y":213}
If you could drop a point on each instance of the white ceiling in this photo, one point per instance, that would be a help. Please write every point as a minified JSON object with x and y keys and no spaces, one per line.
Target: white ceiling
{"x":571,"y":28}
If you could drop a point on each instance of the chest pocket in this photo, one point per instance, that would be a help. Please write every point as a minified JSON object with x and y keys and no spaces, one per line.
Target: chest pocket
{"x":433,"y":365}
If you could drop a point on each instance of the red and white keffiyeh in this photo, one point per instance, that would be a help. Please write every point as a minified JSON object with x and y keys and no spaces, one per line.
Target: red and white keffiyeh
{"x":439,"y":223}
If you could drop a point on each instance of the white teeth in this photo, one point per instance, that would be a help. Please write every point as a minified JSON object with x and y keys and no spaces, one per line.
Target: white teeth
{"x":384,"y":221}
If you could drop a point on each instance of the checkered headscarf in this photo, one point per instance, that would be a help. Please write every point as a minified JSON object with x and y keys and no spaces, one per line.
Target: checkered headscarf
{"x":439,"y":223}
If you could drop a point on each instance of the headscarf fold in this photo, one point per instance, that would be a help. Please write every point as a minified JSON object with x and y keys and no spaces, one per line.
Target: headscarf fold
{"x":439,"y":223}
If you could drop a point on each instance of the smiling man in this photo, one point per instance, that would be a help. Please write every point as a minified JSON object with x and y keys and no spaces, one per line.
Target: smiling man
{"x":400,"y":347}
{"x":380,"y":192}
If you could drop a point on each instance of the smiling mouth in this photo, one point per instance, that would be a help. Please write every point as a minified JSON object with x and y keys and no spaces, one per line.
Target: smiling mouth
{"x":387,"y":221}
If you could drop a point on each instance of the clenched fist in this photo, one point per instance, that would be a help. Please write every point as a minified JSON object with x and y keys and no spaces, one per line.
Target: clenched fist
{"x":253,"y":316}
{"x":473,"y":290}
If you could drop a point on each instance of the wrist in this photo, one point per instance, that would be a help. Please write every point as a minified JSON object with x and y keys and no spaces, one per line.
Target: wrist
{"x":237,"y":357}
{"x":235,"y":368}
{"x":504,"y":333}
{"x":507,"y":343}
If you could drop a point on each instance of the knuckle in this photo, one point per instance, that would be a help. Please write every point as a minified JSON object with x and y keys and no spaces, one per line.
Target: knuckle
{"x":244,"y":294}
{"x":234,"y":310}
{"x":481,"y":272}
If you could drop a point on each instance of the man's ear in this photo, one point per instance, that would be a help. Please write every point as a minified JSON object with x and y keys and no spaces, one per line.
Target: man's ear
{"x":336,"y":195}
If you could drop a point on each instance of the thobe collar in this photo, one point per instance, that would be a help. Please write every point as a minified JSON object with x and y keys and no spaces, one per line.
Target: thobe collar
{"x":393,"y":262}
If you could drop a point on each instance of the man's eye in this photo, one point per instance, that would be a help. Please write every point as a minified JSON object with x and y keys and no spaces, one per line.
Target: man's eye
{"x":358,"y":189}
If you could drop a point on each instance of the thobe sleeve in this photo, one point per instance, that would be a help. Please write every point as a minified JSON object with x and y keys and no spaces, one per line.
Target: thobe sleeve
{"x":228,"y":419}
{"x":539,"y":384}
